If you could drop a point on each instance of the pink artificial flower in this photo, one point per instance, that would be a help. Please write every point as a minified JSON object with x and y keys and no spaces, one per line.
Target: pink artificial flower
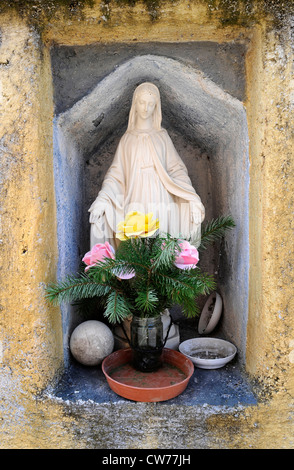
{"x":188,"y":257}
{"x":98,"y":253}
{"x":129,"y":275}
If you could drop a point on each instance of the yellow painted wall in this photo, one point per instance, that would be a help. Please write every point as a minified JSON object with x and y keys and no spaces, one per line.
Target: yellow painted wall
{"x":30,"y":330}
{"x":270,"y":326}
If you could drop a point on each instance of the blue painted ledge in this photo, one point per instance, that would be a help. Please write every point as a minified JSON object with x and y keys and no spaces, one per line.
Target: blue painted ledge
{"x":227,"y":386}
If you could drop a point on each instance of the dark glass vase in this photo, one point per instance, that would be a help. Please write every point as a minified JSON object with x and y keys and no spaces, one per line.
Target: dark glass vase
{"x":147,"y":343}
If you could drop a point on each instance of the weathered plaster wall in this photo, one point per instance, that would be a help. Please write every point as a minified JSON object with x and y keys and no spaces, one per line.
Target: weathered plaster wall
{"x":270,"y":108}
{"x":31,"y":337}
{"x":30,"y":330}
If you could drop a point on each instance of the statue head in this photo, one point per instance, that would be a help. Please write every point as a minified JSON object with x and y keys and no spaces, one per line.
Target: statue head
{"x":146,"y":88}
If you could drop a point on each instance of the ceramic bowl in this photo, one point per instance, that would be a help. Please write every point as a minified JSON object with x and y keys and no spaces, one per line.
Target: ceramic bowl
{"x":210,"y":314}
{"x":208,"y":353}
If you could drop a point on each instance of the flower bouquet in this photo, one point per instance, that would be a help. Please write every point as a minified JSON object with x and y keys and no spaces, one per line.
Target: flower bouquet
{"x":147,"y":274}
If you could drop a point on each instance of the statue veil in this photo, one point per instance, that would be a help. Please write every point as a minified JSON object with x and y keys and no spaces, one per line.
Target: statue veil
{"x":157,"y":115}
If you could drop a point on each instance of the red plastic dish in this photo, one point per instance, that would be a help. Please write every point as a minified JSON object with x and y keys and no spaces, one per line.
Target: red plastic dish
{"x":165,"y":383}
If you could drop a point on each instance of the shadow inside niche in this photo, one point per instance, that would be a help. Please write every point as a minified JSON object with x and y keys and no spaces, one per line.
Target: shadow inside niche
{"x":217,"y":163}
{"x":227,"y":386}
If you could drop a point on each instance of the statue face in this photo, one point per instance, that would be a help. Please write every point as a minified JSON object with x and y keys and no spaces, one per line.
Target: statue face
{"x":145,"y":105}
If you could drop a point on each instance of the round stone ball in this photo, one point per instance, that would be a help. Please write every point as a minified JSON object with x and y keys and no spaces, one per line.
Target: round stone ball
{"x":91,"y":342}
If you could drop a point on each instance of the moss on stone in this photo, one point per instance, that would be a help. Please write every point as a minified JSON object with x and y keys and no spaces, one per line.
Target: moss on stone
{"x":37,"y":9}
{"x":246,"y":12}
{"x":228,"y":12}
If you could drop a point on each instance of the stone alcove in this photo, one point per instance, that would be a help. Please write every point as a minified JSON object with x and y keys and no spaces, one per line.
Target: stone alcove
{"x":209,"y":129}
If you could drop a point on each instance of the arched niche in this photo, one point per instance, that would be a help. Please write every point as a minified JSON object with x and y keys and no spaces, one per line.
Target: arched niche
{"x":209,"y":129}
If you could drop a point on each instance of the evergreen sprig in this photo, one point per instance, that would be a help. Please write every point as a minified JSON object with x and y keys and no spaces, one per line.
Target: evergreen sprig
{"x":147,"y":301}
{"x":157,"y":284}
{"x":164,"y":252}
{"x":116,"y":307}
{"x":75,"y":288}
{"x":215,"y":230}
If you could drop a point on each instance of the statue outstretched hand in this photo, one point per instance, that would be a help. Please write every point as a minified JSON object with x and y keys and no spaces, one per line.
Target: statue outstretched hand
{"x":96,"y":210}
{"x":196,"y":215}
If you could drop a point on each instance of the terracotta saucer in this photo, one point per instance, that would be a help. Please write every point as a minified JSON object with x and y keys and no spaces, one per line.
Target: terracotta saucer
{"x":165,"y":383}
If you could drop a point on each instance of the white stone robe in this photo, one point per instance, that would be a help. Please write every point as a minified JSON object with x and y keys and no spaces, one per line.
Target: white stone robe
{"x":147,"y":175}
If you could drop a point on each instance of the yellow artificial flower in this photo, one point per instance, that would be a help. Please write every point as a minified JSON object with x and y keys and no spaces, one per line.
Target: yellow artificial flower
{"x":137,"y":224}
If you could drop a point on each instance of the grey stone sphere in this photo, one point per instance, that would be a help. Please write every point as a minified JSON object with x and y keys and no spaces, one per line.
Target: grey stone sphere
{"x":91,"y":342}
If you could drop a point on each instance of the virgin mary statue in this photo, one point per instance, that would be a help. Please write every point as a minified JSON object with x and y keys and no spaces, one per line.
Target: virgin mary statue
{"x":146,"y":175}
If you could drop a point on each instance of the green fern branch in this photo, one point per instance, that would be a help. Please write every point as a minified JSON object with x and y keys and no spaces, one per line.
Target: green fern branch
{"x":157,"y":283}
{"x":75,"y":288}
{"x":215,"y":230}
{"x":190,"y":308}
{"x":147,"y":301}
{"x":117,"y":308}
{"x":181,"y":284}
{"x":164,"y":252}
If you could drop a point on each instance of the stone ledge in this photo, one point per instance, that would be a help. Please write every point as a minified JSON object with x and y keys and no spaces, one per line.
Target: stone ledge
{"x":227,"y":386}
